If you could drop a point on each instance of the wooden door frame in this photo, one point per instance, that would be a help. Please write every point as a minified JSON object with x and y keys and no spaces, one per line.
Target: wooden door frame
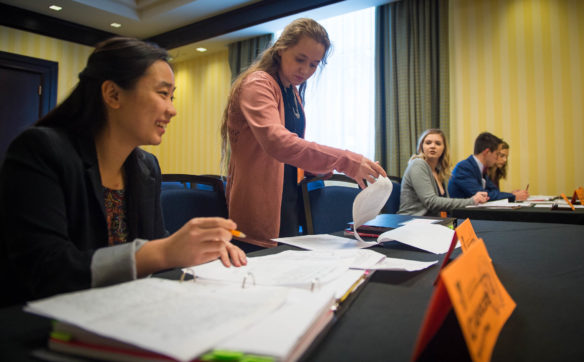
{"x":48,"y":71}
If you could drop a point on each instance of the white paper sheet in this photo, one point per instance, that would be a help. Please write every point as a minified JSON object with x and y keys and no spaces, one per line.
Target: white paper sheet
{"x":180,"y":320}
{"x":324,"y":242}
{"x":396,"y":264}
{"x":369,"y":203}
{"x":420,"y":221}
{"x":280,"y":334}
{"x":288,"y":268}
{"x":430,"y":237}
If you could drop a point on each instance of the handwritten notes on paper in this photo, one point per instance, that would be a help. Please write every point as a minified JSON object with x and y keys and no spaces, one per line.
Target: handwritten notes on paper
{"x":152,"y":313}
{"x":480,"y":301}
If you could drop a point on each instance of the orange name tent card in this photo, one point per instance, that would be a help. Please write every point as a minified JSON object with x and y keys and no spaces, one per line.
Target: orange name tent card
{"x":481,"y":303}
{"x":568,"y":201}
{"x":580,"y":193}
{"x":466,"y":235}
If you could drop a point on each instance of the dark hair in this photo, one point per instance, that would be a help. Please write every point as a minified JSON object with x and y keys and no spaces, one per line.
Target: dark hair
{"x":486,"y":140}
{"x":495,"y":173}
{"x":119,"y":59}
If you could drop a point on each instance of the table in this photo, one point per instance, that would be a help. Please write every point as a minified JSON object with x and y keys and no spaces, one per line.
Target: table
{"x":529,"y":214}
{"x":540,"y":265}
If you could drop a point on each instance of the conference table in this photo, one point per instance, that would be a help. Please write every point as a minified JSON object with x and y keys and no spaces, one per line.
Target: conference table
{"x":527,"y":213}
{"x":540,"y":265}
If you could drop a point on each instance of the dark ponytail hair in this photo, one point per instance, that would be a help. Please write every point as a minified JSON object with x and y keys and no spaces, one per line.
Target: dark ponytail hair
{"x":121,"y":60}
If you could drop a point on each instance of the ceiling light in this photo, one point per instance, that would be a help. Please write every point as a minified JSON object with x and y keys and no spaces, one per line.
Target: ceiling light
{"x":55,"y":7}
{"x":201,"y":50}
{"x":116,"y":25}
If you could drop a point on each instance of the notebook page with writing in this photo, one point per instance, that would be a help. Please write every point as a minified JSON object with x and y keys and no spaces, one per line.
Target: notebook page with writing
{"x":179,"y":320}
{"x":288,"y":268}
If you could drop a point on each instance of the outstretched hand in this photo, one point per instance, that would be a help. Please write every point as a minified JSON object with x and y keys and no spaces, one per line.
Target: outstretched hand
{"x":368,"y":171}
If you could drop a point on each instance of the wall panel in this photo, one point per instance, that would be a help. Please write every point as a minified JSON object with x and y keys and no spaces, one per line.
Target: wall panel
{"x":71,"y":57}
{"x":192,"y":143}
{"x":516,"y":71}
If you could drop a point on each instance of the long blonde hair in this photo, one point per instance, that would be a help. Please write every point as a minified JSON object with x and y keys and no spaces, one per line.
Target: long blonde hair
{"x":443,"y":166}
{"x":269,"y":62}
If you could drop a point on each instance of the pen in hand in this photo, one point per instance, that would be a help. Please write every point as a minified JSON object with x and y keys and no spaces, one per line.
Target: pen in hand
{"x":527,"y":187}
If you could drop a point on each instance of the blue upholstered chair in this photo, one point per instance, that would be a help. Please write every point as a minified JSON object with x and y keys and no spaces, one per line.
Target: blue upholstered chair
{"x":200,"y":196}
{"x":392,"y":205}
{"x":328,"y":204}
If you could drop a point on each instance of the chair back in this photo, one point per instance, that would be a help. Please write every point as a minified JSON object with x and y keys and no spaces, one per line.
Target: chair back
{"x":201,"y":196}
{"x":328,"y":206}
{"x":392,"y":204}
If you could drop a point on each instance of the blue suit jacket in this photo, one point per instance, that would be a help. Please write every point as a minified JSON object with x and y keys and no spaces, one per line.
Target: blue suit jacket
{"x":466,"y":181}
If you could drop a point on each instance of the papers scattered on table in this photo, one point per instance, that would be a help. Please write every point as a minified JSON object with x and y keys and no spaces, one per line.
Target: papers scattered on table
{"x":500,"y":204}
{"x":420,"y":221}
{"x":396,"y":264}
{"x":422,"y":235}
{"x":324,"y":242}
{"x":429,"y":237}
{"x":540,"y":198}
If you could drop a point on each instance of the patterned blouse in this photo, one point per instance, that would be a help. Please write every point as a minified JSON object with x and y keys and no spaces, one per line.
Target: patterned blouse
{"x":115,"y":210}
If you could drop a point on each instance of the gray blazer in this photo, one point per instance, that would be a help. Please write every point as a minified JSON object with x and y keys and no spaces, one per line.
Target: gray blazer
{"x":420,"y":195}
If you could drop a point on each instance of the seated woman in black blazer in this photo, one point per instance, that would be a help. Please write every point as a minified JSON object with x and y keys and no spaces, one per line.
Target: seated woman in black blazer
{"x":79,"y":199}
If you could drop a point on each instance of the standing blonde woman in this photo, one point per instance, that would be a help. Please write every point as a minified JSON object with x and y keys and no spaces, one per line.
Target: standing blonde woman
{"x":423,"y":190}
{"x":264,"y":125}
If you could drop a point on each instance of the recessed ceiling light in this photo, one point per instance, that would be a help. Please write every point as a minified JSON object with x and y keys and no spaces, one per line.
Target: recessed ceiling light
{"x":55,"y":7}
{"x":116,"y":25}
{"x":201,"y":50}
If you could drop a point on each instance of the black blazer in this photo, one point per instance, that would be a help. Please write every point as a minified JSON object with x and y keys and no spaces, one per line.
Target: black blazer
{"x":52,"y":214}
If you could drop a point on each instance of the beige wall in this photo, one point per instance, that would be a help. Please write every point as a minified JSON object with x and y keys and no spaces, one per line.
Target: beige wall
{"x":517,"y":70}
{"x":192,"y":143}
{"x":71,"y":57}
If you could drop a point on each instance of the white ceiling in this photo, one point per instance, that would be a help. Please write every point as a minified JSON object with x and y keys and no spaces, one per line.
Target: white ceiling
{"x":146,"y":18}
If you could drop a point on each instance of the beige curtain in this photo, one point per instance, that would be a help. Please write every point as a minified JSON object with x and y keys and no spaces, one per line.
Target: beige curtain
{"x":411,"y":77}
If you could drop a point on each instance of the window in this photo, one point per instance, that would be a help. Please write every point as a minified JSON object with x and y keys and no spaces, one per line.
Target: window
{"x":339,"y":99}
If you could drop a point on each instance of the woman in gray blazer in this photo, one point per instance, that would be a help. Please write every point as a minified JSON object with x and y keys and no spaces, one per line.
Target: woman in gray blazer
{"x":423,"y":190}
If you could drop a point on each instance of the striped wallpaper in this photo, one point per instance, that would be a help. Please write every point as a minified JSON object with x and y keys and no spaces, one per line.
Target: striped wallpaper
{"x":517,"y":70}
{"x":71,"y":57}
{"x":192,"y":142}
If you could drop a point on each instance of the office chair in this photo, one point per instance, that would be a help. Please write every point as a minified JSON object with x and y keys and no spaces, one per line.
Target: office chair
{"x":328,"y":207}
{"x":201,"y":196}
{"x":392,"y":204}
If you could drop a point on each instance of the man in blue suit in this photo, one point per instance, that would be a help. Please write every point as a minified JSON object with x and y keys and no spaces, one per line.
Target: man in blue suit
{"x":469,"y":176}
